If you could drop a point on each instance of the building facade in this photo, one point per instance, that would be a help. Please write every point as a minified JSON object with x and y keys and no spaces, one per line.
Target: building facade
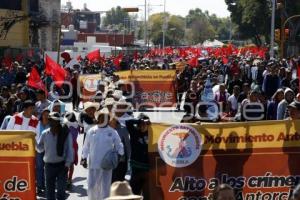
{"x":48,"y":35}
{"x":14,"y":23}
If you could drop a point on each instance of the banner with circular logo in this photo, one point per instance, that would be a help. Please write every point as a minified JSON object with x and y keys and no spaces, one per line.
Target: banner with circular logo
{"x":179,"y":145}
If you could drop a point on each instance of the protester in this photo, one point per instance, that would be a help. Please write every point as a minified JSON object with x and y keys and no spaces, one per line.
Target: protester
{"x":251,"y":109}
{"x":72,"y":124}
{"x":282,"y":106}
{"x":294,"y":110}
{"x":75,"y":96}
{"x":139,"y":161}
{"x":57,"y":145}
{"x":25,"y":120}
{"x":99,"y":140}
{"x":273,"y":105}
{"x":40,"y":177}
{"x":87,"y":117}
{"x":123,"y":167}
{"x":42,"y":102}
{"x":233,"y":101}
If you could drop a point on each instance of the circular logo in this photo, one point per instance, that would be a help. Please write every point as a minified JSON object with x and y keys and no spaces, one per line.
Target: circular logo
{"x":90,"y":84}
{"x":179,"y":146}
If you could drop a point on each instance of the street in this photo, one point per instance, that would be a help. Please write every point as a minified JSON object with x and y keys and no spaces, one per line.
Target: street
{"x":78,"y":191}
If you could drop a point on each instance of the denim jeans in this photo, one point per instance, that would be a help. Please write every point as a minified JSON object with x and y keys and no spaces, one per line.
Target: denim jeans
{"x":40,"y":176}
{"x":56,"y":175}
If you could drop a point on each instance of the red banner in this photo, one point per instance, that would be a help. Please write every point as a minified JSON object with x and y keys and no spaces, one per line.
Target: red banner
{"x":260,"y":160}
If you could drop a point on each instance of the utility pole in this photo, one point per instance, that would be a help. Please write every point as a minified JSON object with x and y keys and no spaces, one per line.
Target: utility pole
{"x":145,"y":27}
{"x":272,"y":29}
{"x":164,"y":28}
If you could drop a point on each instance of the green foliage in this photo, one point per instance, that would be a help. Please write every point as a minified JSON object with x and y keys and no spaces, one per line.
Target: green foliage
{"x":252,"y":18}
{"x":175,"y":30}
{"x":115,"y":17}
{"x":196,"y":27}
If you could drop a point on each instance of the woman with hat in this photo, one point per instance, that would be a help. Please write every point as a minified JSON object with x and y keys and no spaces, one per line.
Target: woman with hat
{"x":57,"y":145}
{"x":100,"y":139}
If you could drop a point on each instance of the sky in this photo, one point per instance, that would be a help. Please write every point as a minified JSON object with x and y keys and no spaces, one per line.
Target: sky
{"x":178,"y":7}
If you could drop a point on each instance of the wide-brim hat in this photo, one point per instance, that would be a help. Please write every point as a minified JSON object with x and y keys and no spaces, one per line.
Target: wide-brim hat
{"x":122,"y":191}
{"x":109,"y":102}
{"x":90,"y":104}
{"x":103,"y":111}
{"x":118,"y":94}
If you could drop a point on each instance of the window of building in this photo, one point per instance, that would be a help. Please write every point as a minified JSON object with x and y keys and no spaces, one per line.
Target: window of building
{"x":11,"y":4}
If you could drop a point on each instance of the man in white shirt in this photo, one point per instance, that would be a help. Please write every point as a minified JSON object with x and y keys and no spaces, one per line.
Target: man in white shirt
{"x":121,"y":109}
{"x":25,"y":120}
{"x":99,"y":140}
{"x":233,"y":101}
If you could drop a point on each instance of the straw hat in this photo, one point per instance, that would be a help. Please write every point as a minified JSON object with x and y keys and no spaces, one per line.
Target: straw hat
{"x":122,"y":191}
{"x":109,"y":102}
{"x":89,"y":104}
{"x":118,"y":94}
{"x":103,"y":111}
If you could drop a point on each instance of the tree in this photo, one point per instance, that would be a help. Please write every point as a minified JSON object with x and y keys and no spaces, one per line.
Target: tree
{"x":116,"y":16}
{"x":175,"y":31}
{"x":252,"y":18}
{"x":199,"y":28}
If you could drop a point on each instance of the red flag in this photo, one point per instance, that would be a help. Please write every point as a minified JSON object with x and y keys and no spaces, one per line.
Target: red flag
{"x":54,"y":70}
{"x":34,"y":80}
{"x":225,"y":60}
{"x":94,"y":56}
{"x":193,"y":62}
{"x":66,"y":56}
{"x":117,"y":61}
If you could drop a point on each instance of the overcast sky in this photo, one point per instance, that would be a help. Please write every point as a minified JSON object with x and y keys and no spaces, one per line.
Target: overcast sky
{"x":179,"y":7}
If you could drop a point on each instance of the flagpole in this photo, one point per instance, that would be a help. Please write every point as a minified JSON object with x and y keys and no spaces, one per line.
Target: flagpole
{"x":164,"y":28}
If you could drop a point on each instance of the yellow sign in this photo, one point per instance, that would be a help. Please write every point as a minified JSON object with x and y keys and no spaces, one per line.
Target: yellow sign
{"x":147,"y":75}
{"x":17,"y":144}
{"x":264,"y":134}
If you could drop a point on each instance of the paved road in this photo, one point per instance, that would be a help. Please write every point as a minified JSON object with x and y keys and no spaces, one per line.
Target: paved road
{"x":79,"y":187}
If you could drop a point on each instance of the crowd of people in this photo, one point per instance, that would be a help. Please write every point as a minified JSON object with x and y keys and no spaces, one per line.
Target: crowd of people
{"x":115,"y":145}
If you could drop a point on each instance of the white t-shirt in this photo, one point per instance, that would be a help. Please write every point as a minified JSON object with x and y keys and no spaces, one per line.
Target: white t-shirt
{"x":98,"y":141}
{"x":20,"y":122}
{"x":254,"y":71}
{"x":234,"y":102}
